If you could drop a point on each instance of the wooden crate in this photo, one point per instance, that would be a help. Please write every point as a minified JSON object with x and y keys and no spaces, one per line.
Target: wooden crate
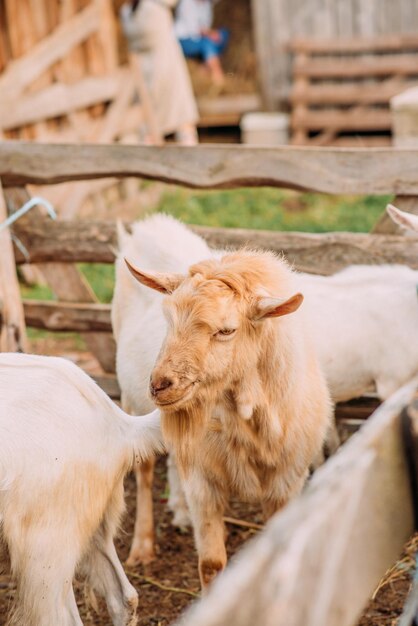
{"x":342,"y":88}
{"x":277,"y":22}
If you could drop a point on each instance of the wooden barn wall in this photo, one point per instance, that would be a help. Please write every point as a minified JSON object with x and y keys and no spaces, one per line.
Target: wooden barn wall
{"x":277,"y":21}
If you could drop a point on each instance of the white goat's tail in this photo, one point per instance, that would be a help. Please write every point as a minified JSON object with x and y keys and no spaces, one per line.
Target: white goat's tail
{"x":146,"y":436}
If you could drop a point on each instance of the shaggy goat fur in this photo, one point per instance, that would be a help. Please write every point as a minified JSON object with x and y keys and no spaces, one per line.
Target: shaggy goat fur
{"x":64,"y":450}
{"x":244,"y":403}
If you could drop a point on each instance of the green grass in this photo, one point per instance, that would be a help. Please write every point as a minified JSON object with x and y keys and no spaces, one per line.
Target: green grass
{"x":101,"y":277}
{"x":37,"y":292}
{"x":274,"y":209}
{"x":261,"y":208}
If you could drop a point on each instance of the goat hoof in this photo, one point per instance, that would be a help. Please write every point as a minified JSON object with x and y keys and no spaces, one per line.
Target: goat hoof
{"x":131,"y":605}
{"x":141,"y":554}
{"x":208,"y":570}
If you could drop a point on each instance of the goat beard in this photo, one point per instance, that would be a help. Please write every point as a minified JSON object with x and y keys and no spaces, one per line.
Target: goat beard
{"x":183,"y":430}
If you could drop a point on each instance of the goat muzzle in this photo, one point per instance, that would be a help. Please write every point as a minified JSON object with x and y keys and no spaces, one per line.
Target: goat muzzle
{"x":159,"y":384}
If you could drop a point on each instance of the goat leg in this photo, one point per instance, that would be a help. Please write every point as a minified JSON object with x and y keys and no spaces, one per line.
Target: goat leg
{"x":107,"y":577}
{"x":206,"y":509}
{"x":177,"y":500}
{"x":142,"y":549}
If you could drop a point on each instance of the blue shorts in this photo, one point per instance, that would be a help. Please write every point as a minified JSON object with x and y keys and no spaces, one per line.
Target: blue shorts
{"x":203,"y":47}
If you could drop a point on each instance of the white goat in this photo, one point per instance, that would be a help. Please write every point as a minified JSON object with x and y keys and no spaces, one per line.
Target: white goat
{"x":139,"y":327}
{"x":365,"y":325}
{"x":64,"y":450}
{"x":364,"y":322}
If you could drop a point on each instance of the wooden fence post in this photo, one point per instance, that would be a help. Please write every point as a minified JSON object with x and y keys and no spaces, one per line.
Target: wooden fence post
{"x":13,"y":331}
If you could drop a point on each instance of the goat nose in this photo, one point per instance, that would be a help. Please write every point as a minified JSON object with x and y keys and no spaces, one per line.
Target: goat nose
{"x":159,"y":385}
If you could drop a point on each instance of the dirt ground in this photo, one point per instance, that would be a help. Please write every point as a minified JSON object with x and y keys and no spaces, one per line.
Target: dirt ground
{"x":169,"y":584}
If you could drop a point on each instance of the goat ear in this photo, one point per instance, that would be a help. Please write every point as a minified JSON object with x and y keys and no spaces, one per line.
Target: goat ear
{"x":164,"y":283}
{"x":401,"y":217}
{"x":275,"y":307}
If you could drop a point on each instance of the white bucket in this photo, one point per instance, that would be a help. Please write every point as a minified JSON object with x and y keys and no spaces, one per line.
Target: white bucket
{"x":404,"y":109}
{"x":268,"y":129}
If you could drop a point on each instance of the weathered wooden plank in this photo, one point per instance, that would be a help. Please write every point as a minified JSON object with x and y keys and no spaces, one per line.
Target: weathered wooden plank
{"x":358,"y":408}
{"x":300,"y":135}
{"x":343,"y":15}
{"x":309,"y":567}
{"x":12,"y":330}
{"x":107,"y":37}
{"x":327,"y":170}
{"x":349,"y":93}
{"x":95,"y":242}
{"x":237,"y":104}
{"x":20,"y":73}
{"x":384,"y":43}
{"x":319,"y":253}
{"x":67,"y":316}
{"x":402,"y":65}
{"x":266,"y":52}
{"x":356,"y":141}
{"x":212,"y":120}
{"x":61,"y":99}
{"x":368,"y":119}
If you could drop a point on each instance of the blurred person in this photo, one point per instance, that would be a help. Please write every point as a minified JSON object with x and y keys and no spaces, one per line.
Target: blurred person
{"x":193,"y":25}
{"x":149,"y":29}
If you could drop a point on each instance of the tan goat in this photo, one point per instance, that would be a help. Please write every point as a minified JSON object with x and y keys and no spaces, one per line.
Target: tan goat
{"x":244,"y":403}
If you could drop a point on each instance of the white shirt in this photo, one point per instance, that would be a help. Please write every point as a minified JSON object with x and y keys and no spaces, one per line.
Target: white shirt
{"x":193,"y":16}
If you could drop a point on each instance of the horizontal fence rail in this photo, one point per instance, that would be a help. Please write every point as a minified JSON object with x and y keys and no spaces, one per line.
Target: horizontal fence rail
{"x":95,"y":242}
{"x":326,"y":170}
{"x":67,"y":316}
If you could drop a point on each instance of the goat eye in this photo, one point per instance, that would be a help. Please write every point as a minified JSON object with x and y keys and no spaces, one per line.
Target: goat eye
{"x":225,"y":332}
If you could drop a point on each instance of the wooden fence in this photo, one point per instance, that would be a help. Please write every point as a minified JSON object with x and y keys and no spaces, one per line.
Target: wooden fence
{"x":342,"y":88}
{"x":318,"y":562}
{"x":59,"y":245}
